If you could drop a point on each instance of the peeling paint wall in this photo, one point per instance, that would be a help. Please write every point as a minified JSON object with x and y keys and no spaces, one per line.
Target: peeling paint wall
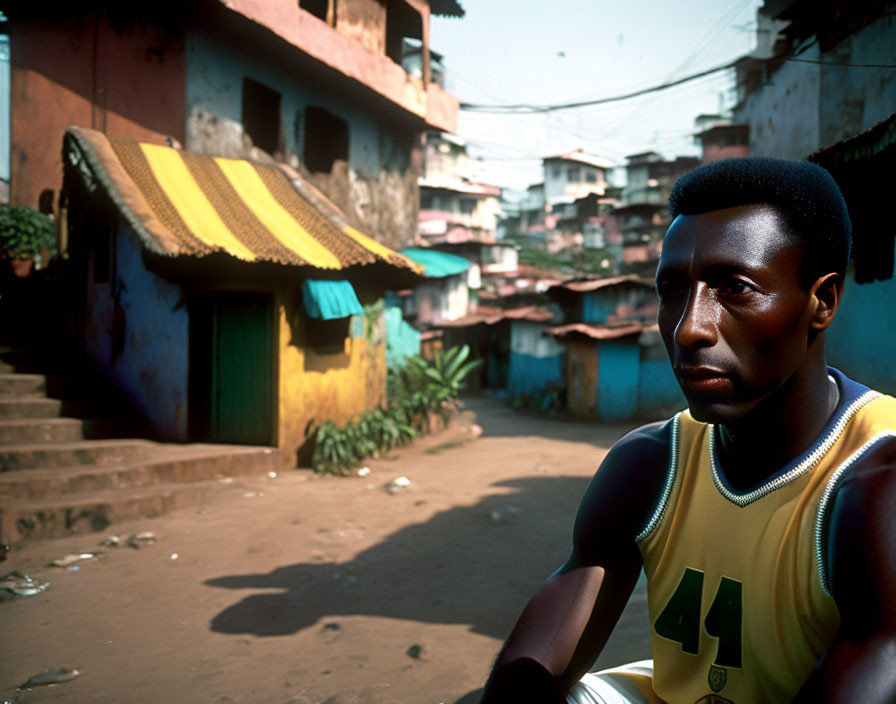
{"x":376,"y":187}
{"x":364,"y":21}
{"x":137,"y":332}
{"x":325,"y":384}
{"x":537,"y":362}
{"x":84,"y":72}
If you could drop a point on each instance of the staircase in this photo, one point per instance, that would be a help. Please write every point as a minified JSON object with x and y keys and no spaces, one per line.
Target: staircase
{"x":66,"y":465}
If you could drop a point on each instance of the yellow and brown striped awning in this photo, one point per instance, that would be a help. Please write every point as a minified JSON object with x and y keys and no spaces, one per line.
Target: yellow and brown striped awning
{"x":181,"y":203}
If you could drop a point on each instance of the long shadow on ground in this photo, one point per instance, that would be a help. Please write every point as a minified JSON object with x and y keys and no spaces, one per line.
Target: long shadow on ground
{"x":459,"y":567}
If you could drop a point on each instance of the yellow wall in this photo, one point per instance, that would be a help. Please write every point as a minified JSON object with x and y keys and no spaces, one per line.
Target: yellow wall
{"x":329,"y":385}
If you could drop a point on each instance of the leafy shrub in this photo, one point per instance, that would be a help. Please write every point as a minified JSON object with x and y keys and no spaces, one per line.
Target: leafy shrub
{"x":414,"y":391}
{"x":24,"y":232}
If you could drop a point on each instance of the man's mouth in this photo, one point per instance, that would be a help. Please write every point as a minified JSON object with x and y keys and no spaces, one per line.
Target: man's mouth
{"x":699,"y":378}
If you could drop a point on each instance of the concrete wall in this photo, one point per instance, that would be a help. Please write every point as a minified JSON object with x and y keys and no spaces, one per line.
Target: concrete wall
{"x":806,"y":106}
{"x":784,"y":114}
{"x":376,"y":189}
{"x":861,"y":341}
{"x":128,"y":84}
{"x":137,"y":332}
{"x":325,"y":385}
{"x":537,"y":362}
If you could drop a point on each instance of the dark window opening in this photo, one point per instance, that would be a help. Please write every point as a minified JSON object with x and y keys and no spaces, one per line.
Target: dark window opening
{"x":467,"y":207}
{"x":322,"y":9}
{"x":326,"y":140}
{"x":45,"y":201}
{"x":591,"y":177}
{"x":572,"y":174}
{"x":401,"y":21}
{"x":261,"y":115}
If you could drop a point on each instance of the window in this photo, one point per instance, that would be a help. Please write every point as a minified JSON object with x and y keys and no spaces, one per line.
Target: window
{"x":326,"y":139}
{"x":261,"y":115}
{"x":322,"y":9}
{"x":467,"y":206}
{"x":572,"y":174}
{"x":401,"y":21}
{"x":555,"y":171}
{"x":591,"y":176}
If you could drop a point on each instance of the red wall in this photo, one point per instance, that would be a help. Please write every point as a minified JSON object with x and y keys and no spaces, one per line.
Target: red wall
{"x":128,"y":84}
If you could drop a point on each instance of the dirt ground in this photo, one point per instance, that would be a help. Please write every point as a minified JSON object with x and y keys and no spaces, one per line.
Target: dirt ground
{"x":304,"y":589}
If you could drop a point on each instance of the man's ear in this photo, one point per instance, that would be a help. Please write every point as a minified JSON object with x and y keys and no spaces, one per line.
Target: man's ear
{"x":824,"y":297}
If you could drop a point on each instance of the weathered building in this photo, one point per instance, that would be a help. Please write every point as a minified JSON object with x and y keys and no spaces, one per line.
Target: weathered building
{"x":721,"y":138}
{"x":320,"y":86}
{"x":821,"y":83}
{"x":224,"y":303}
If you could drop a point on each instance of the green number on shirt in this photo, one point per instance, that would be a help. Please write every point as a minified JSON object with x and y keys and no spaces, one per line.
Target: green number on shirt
{"x":680,"y":619}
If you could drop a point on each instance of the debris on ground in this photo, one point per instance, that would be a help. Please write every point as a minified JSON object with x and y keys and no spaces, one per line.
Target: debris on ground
{"x":332,"y":626}
{"x":252,"y":494}
{"x":74,"y":557}
{"x":272,"y":474}
{"x":397,"y":484}
{"x":174,"y":556}
{"x":50,"y":677}
{"x":418,"y":652}
{"x":364,"y":471}
{"x":113,"y":541}
{"x":20,"y":584}
{"x":476,"y":430}
{"x":139,"y":539}
{"x":505,"y":514}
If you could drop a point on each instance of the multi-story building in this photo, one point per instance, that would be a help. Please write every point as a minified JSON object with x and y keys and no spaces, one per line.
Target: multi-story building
{"x":720,"y":137}
{"x":314,"y":84}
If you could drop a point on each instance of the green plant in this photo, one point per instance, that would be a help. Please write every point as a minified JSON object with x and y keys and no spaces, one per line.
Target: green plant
{"x":24,"y":232}
{"x":416,"y":390}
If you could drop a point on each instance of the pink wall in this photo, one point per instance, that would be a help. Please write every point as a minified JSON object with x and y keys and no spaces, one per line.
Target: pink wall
{"x":85,"y":73}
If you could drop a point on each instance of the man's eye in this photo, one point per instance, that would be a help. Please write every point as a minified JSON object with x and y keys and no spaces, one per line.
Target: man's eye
{"x":734,"y":287}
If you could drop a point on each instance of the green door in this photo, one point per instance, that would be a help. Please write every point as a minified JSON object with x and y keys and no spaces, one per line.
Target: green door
{"x":241,"y":365}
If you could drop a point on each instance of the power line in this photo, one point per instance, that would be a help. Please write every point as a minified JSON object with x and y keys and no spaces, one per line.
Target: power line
{"x":840,"y":63}
{"x":522,"y":107}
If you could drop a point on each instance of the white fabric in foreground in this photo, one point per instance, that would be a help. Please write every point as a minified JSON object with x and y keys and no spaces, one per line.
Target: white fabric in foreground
{"x":611,"y":686}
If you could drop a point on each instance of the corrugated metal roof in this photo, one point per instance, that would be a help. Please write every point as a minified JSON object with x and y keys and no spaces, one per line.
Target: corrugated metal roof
{"x":599,"y":332}
{"x":181,"y":203}
{"x":490,"y":316}
{"x":583,"y":286}
{"x":437,"y":264}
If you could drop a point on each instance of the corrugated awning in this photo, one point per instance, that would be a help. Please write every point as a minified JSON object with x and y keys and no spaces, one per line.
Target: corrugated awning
{"x":437,"y":264}
{"x":181,"y":203}
{"x":328,"y":300}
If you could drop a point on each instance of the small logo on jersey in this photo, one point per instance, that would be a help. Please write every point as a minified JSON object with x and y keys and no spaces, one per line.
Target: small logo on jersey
{"x":714,"y":699}
{"x":718,"y":677}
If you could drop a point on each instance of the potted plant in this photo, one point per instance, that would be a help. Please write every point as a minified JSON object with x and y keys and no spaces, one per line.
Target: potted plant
{"x":24,"y":234}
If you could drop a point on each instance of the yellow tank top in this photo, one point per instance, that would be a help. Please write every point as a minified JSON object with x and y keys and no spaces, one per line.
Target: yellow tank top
{"x":736,"y":583}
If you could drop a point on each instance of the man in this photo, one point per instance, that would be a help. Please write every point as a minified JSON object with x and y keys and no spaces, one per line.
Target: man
{"x":762,"y":515}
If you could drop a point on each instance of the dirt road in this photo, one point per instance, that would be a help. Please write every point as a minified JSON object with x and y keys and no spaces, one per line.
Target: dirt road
{"x":303,"y":589}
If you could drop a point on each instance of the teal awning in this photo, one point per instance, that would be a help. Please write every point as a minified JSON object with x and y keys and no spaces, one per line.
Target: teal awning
{"x":436,"y":264}
{"x":327,"y":300}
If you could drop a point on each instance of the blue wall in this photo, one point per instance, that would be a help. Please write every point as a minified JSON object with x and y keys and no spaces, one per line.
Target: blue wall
{"x":401,"y":339}
{"x":861,"y":341}
{"x":659,"y":395}
{"x":530,"y":374}
{"x":618,"y":366}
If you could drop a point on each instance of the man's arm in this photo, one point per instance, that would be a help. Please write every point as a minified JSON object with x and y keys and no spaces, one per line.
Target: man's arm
{"x":567,"y":622}
{"x":860,"y":665}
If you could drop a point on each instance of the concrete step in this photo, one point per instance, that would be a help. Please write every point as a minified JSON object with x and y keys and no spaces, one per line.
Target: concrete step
{"x":35,"y":430}
{"x":23,"y":384}
{"x":88,"y":511}
{"x":81,"y":452}
{"x":168,"y":464}
{"x":29,"y":407}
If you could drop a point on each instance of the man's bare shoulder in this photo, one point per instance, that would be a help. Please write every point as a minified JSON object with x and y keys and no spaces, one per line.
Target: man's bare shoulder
{"x":623,"y":493}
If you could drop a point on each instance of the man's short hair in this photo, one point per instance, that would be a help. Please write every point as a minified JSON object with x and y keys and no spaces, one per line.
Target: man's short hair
{"x":804,"y":194}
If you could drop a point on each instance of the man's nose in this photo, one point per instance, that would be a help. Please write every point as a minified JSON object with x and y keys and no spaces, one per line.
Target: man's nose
{"x":697,"y":325}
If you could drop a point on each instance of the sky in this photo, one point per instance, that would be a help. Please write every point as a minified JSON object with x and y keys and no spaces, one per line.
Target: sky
{"x":504,"y":51}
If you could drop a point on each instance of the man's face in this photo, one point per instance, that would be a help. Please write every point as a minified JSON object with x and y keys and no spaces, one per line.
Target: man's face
{"x":732,"y":314}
